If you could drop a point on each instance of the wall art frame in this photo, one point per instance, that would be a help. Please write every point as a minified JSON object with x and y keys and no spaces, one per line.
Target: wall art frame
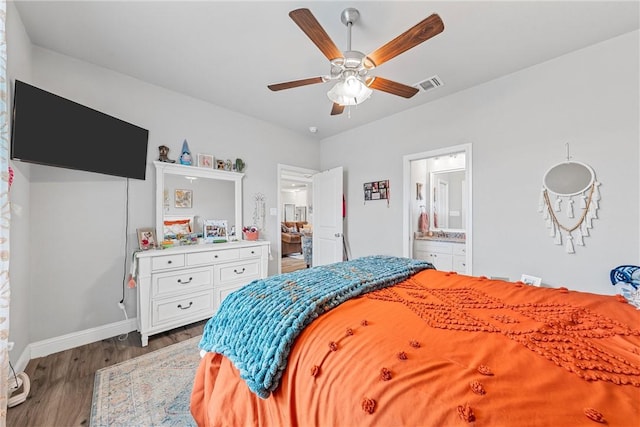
{"x":147,"y":238}
{"x":183,"y":198}
{"x":206,"y":161}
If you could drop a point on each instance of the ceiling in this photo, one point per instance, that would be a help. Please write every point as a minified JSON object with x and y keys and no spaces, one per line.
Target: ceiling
{"x":227,"y":53}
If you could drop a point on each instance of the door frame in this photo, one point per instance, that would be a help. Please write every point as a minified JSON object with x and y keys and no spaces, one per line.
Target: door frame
{"x":407,"y":238}
{"x":283,"y":170}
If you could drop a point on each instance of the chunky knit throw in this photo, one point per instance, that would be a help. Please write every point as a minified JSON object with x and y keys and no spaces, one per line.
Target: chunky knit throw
{"x":256,"y":325}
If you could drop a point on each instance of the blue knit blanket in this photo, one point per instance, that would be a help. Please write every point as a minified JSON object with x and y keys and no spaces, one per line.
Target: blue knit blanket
{"x":256,"y":325}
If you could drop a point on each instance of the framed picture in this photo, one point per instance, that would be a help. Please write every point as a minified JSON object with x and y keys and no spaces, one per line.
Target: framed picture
{"x":220,"y":164}
{"x":215,"y":230}
{"x":205,"y":161}
{"x":147,"y":238}
{"x":376,"y":190}
{"x":184,"y":198}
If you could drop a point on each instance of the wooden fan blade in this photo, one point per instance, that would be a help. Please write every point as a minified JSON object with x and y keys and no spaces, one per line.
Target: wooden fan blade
{"x":312,"y":28}
{"x":415,"y":35}
{"x":391,"y":87}
{"x":337,"y":109}
{"x":295,"y":83}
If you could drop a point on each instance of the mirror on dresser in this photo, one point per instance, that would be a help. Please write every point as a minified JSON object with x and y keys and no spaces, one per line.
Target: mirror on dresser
{"x":197,"y":194}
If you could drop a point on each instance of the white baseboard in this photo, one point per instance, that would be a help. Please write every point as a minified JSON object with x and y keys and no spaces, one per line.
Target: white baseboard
{"x":75,"y":339}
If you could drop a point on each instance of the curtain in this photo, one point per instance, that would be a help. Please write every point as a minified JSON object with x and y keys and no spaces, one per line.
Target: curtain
{"x":5,"y":218}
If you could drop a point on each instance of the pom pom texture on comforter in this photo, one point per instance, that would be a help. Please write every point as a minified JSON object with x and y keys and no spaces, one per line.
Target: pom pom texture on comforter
{"x":256,"y":332}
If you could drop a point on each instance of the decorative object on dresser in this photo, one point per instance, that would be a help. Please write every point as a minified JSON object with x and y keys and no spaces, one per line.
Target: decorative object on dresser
{"x":185,"y":157}
{"x":205,"y":161}
{"x":215,"y":230}
{"x":147,"y":238}
{"x":185,"y":284}
{"x":250,"y":233}
{"x":164,"y":154}
{"x":562,"y":185}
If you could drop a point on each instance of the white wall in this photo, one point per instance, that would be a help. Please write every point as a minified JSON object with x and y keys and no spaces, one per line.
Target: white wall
{"x":518,"y":126}
{"x":18,"y":52}
{"x":77,"y":252}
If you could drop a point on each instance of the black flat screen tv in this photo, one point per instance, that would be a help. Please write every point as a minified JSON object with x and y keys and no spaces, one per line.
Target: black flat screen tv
{"x":51,"y":130}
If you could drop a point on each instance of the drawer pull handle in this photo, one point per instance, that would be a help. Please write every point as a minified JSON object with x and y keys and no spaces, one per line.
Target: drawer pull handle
{"x":239,"y":272}
{"x":184,"y":283}
{"x":253,"y":252}
{"x":169,"y":262}
{"x":187,"y":307}
{"x":215,"y":256}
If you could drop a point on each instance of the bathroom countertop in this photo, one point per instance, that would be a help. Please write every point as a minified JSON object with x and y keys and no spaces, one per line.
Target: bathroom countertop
{"x":442,"y":237}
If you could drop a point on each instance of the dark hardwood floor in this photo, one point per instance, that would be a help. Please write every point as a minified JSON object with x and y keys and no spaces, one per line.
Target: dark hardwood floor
{"x":62,"y":383}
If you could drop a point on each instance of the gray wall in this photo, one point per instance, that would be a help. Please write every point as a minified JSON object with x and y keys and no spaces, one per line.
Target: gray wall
{"x":71,"y":254}
{"x":518,"y":126}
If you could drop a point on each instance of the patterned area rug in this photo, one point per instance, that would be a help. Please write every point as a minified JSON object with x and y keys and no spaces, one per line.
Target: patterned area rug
{"x":150,"y":390}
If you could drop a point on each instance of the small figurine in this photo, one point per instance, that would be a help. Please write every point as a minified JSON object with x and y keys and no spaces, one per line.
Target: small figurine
{"x":185,"y":157}
{"x":239,"y":165}
{"x":164,"y":154}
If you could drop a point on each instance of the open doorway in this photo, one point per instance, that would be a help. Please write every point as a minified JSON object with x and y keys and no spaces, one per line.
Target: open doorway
{"x":295,"y":216}
{"x":437,"y":215}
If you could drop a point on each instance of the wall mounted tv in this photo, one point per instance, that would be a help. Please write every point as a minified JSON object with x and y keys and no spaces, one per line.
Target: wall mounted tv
{"x":51,"y":130}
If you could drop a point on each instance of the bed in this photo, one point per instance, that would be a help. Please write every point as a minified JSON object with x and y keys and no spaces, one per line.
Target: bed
{"x":415,"y":346}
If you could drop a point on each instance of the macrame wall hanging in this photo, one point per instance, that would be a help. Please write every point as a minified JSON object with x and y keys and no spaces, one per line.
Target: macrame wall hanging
{"x":563,"y":185}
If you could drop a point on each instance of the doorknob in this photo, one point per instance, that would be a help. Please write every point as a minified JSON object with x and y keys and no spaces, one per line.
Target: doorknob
{"x":337,"y":235}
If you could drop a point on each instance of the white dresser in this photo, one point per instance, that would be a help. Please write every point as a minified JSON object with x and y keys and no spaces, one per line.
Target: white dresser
{"x":445,"y":256}
{"x":186,"y":284}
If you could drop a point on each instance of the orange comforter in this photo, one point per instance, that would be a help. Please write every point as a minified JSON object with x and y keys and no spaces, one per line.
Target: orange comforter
{"x":441,"y":349}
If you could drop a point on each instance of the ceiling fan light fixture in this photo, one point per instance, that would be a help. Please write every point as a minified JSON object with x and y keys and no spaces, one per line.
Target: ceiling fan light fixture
{"x":350,"y":91}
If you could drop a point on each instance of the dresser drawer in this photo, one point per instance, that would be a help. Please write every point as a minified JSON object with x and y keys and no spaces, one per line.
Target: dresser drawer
{"x":172,"y":309}
{"x":460,"y":264}
{"x":182,"y":281}
{"x":251,"y":252}
{"x":244,"y":271}
{"x":210,"y":257}
{"x":167,"y":261}
{"x":459,"y":249}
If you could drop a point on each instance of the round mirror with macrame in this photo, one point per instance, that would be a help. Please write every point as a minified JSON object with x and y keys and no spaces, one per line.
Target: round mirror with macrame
{"x":569,"y":202}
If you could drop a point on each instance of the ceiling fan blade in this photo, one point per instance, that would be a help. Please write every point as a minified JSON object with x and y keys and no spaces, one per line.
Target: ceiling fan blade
{"x":337,"y":109}
{"x":415,"y":35}
{"x":391,"y":87}
{"x":295,"y":83}
{"x":312,"y":28}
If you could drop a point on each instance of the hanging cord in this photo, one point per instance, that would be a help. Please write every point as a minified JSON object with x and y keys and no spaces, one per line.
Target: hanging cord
{"x":126,"y":241}
{"x":124,"y":336}
{"x":15,"y":377}
{"x":582,"y":217}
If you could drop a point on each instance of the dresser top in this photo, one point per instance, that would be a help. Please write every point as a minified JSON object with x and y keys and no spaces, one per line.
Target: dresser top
{"x":201,"y":248}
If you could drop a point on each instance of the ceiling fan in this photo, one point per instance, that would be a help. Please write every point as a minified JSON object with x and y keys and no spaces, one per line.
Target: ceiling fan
{"x":351,"y":68}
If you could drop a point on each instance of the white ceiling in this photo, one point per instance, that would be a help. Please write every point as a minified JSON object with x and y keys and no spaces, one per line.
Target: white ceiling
{"x":228,"y":52}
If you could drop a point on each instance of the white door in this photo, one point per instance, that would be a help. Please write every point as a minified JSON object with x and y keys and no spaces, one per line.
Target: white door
{"x":327,"y":217}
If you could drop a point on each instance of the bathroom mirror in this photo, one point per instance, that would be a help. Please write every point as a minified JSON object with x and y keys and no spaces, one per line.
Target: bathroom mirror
{"x":447,"y":200}
{"x":197,"y":194}
{"x":568,"y":178}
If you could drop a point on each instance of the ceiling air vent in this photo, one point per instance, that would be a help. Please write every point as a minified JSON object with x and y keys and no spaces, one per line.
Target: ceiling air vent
{"x":430,"y":83}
